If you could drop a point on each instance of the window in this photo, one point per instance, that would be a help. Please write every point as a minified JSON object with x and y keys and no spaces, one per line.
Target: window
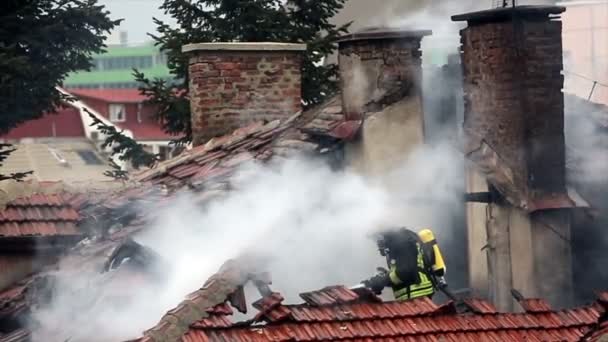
{"x":89,"y":157}
{"x":117,"y":112}
{"x":164,"y":152}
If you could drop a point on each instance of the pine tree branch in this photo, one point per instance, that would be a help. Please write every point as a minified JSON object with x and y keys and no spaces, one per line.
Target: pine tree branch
{"x":41,"y":42}
{"x":296,"y":21}
{"x":127,"y":148}
{"x":5,"y":151}
{"x":116,"y":172}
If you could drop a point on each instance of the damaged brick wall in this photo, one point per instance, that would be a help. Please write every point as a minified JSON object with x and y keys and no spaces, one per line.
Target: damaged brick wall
{"x":512,"y":62}
{"x":380,"y":73}
{"x":232,"y":85}
{"x":513,"y":97}
{"x":376,"y":63}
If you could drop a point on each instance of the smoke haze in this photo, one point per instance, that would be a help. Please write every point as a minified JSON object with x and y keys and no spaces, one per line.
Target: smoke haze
{"x":313,"y":225}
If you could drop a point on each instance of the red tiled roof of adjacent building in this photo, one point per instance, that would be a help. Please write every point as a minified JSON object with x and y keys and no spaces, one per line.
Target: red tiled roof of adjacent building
{"x":65,"y":122}
{"x":146,"y":131}
{"x":110,"y":95}
{"x":45,"y":209}
{"x":39,"y":215}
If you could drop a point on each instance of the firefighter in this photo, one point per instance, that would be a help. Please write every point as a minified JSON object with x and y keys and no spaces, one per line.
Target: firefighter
{"x":416,"y":266}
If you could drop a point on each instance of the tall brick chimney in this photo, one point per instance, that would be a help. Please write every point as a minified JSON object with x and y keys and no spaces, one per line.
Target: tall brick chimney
{"x":234,"y":84}
{"x":375,"y":62}
{"x":512,"y":63}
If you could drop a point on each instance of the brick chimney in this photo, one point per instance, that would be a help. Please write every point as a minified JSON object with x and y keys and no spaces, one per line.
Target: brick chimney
{"x":234,"y":84}
{"x":375,"y":62}
{"x":512,"y":63}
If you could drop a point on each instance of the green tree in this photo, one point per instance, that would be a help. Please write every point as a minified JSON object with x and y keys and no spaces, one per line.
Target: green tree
{"x":41,"y":41}
{"x":295,"y":21}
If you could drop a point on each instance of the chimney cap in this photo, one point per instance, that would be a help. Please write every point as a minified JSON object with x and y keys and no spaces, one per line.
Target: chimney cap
{"x":239,"y":46}
{"x":507,"y":13}
{"x":376,"y":33}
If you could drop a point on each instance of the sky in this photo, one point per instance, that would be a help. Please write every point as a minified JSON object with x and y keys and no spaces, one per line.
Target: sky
{"x":137,"y":15}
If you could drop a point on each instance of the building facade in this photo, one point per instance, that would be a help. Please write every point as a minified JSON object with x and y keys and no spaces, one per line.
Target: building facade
{"x":114,"y":68}
{"x":585,"y":41}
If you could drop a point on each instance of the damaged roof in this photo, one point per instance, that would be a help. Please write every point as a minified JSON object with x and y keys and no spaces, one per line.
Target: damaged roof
{"x":205,"y":171}
{"x":339,"y":314}
{"x":312,"y":132}
{"x":38,"y":214}
{"x":46,"y":209}
{"x":580,"y":113}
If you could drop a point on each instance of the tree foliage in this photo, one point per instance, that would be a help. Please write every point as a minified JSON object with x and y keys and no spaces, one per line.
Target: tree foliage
{"x":294,"y":21}
{"x":41,"y":41}
{"x":125,"y":147}
{"x":5,"y":151}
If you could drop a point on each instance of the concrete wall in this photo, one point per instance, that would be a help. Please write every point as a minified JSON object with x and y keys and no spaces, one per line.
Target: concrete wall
{"x":477,"y":235}
{"x":381,"y":71}
{"x":585,"y":37}
{"x":387,"y":139}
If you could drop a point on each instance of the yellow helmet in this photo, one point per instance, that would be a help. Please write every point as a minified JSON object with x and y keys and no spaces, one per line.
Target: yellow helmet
{"x":426,"y":235}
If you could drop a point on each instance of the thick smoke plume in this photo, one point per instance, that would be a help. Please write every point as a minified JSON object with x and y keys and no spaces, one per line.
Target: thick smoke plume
{"x":313,"y":224}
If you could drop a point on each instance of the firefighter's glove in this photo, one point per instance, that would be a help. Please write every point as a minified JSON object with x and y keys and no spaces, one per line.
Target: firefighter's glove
{"x":377,"y":283}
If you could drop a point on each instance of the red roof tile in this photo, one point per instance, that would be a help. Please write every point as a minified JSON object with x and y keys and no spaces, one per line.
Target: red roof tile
{"x":220,"y":156}
{"x":480,"y":306}
{"x":147,"y":131}
{"x":42,"y":215}
{"x":207,"y":171}
{"x":21,"y":335}
{"x":339,"y":314}
{"x":535,"y":305}
{"x":418,"y":320}
{"x":110,"y":95}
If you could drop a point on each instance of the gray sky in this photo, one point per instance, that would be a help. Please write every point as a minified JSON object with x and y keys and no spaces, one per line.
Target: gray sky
{"x":137,"y":15}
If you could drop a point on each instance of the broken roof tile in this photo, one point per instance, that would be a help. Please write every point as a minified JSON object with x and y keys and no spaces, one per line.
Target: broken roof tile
{"x":329,"y":296}
{"x":220,"y":309}
{"x":213,"y":321}
{"x":183,"y":171}
{"x":21,"y":335}
{"x":23,"y":229}
{"x":269,"y":302}
{"x":297,"y":145}
{"x":480,"y":306}
{"x":209,"y":157}
{"x":346,"y":129}
{"x":375,"y":322}
{"x":535,"y":305}
{"x":236,"y":160}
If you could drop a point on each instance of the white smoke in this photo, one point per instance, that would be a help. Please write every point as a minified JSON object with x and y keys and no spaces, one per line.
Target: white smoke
{"x":313,"y":223}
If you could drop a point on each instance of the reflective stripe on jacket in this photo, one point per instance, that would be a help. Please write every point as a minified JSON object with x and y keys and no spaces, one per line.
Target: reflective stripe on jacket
{"x":423,"y":288}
